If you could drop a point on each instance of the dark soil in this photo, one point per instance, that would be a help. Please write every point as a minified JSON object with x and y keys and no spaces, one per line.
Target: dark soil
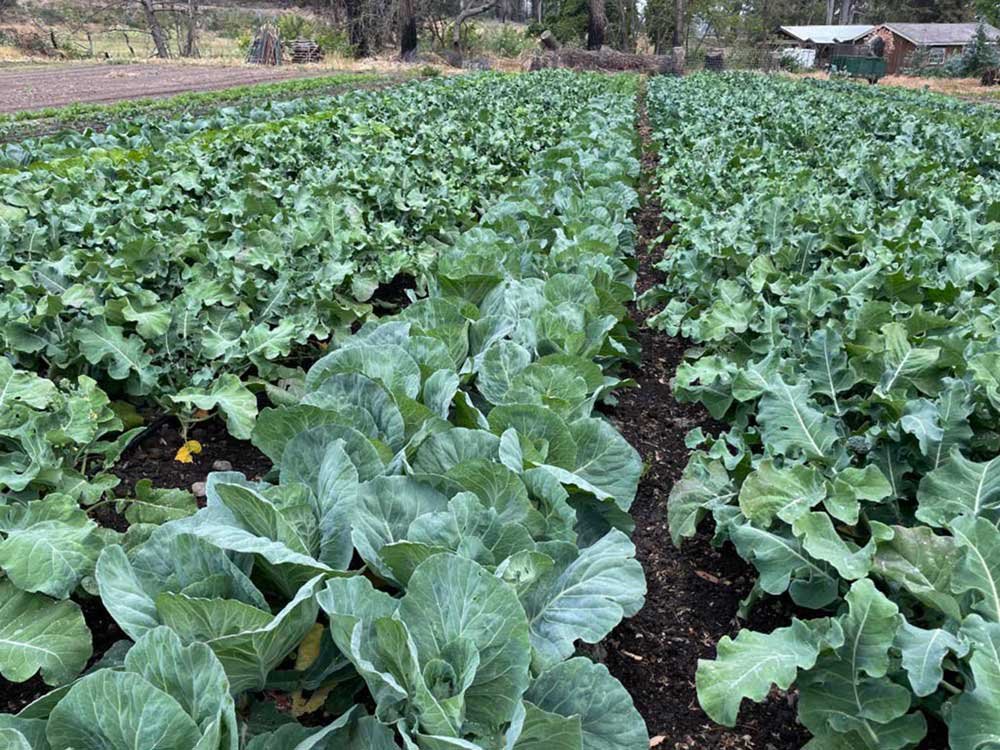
{"x":153,"y":457}
{"x":694,"y":592}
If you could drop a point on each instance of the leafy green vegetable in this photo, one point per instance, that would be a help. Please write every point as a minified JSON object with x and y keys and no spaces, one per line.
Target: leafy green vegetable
{"x":834,"y":261}
{"x":458,"y":544}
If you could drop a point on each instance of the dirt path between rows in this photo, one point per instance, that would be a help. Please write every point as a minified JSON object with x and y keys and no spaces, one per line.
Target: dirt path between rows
{"x":694,"y":592}
{"x":59,"y":85}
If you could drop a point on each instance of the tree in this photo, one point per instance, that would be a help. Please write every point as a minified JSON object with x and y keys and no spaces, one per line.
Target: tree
{"x":407,"y":28}
{"x":356,"y":27}
{"x":155,"y":30}
{"x":597,"y":24}
{"x":464,"y":14}
{"x":989,"y":11}
{"x":191,"y":41}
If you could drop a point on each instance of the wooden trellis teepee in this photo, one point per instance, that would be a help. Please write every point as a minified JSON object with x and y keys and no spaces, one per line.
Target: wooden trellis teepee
{"x":266,"y":47}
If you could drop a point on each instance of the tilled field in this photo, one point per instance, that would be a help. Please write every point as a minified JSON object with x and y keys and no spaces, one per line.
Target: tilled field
{"x":59,"y":85}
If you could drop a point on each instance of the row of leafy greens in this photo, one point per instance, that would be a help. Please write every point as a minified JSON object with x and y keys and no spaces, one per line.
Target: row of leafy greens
{"x":183,"y":268}
{"x":835,"y":262}
{"x":446,"y":518}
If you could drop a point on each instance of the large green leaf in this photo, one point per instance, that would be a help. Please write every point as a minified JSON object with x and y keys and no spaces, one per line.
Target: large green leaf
{"x":249,"y":645}
{"x":902,"y":361}
{"x":385,"y":509}
{"x":584,"y":596}
{"x":50,"y":545}
{"x":922,"y":563}
{"x":40,"y":634}
{"x":17,"y":386}
{"x":979,"y":569}
{"x":827,"y":366}
{"x":704,"y":486}
{"x":352,"y":731}
{"x":450,"y":601}
{"x":974,"y":723}
{"x":848,"y":690}
{"x":498,"y":368}
{"x":578,"y":687}
{"x":120,"y":711}
{"x":747,"y":667}
{"x":791,"y":424}
{"x":960,"y":486}
{"x":543,"y":730}
{"x":168,"y":561}
{"x":822,"y":541}
{"x":923,"y":651}
{"x":786,"y":493}
{"x":784,"y":565}
{"x":124,"y":355}
{"x":230,"y":397}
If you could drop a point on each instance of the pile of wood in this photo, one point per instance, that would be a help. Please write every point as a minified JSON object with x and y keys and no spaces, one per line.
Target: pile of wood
{"x":266,"y":47}
{"x":553,"y":55}
{"x":306,"y":51}
{"x":605,"y":59}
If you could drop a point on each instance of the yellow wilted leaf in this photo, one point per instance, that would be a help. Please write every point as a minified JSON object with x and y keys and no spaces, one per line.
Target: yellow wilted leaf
{"x":187,"y":451}
{"x":309,"y":648}
{"x":302,"y":706}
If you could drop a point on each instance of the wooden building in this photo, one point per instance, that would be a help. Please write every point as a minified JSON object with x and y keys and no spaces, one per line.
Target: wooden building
{"x":941,"y":40}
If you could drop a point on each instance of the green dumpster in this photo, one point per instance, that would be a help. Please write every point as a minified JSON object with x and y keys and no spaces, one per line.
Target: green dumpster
{"x":856,"y":66}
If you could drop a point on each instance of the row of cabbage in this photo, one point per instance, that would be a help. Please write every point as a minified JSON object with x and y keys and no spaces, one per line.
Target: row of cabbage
{"x":835,"y":264}
{"x":190,"y":275}
{"x":134,"y":124}
{"x":158,"y":267}
{"x":446,"y":518}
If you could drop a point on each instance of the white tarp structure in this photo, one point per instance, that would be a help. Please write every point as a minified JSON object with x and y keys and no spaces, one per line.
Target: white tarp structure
{"x":802,"y":56}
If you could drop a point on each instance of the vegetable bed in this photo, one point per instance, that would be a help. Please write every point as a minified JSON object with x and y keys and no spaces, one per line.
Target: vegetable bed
{"x":447,"y":515}
{"x":835,"y":265}
{"x":391,"y":343}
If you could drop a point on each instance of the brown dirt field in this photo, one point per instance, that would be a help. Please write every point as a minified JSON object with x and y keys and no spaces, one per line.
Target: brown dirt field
{"x":30,"y":88}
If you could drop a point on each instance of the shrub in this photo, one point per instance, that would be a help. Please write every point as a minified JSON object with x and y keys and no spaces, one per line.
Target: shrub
{"x":506,"y":41}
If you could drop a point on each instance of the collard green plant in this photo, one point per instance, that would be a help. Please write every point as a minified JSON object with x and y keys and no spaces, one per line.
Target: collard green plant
{"x":50,"y":432}
{"x":447,"y":516}
{"x":835,"y":261}
{"x":190,"y":265}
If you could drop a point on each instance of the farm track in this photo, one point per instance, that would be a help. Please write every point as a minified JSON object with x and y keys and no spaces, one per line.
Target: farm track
{"x":694,"y":592}
{"x":91,"y":83}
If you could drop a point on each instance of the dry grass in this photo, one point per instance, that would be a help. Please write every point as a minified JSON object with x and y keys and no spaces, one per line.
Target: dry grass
{"x":963,"y":88}
{"x":967,"y":88}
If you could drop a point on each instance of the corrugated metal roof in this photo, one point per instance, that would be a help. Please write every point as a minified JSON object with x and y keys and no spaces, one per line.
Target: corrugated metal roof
{"x":940,"y":34}
{"x":827,"y":34}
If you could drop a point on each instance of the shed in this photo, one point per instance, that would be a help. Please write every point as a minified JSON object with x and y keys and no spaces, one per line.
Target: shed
{"x":942,"y":40}
{"x":823,"y":38}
